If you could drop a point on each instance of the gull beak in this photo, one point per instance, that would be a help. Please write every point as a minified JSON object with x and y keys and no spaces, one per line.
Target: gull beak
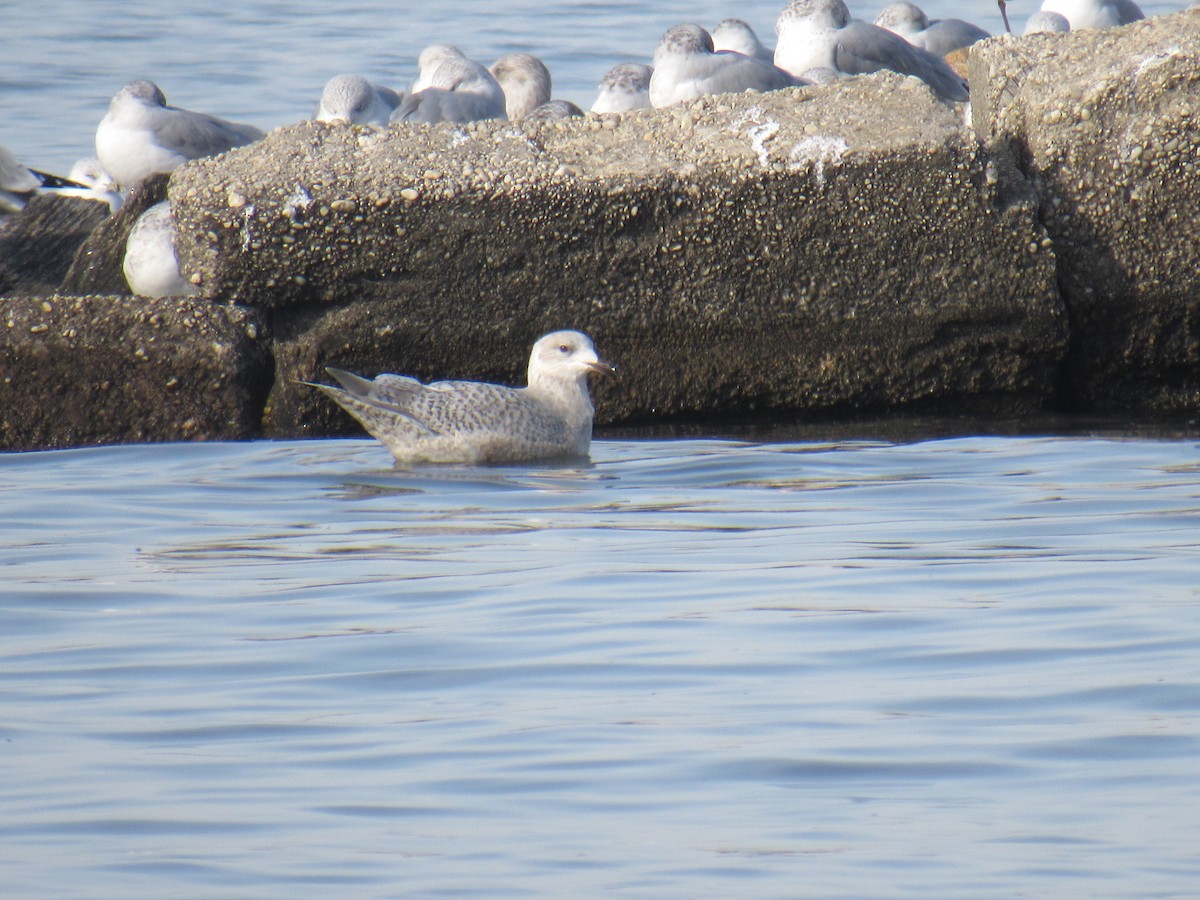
{"x":599,"y":367}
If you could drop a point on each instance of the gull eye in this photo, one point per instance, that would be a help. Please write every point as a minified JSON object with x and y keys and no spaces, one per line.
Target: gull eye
{"x":564,"y":348}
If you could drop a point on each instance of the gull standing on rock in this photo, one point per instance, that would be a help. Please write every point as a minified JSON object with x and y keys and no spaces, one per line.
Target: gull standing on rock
{"x":451,"y":88}
{"x":819,"y":33}
{"x":476,"y":422}
{"x":353,"y":99}
{"x":624,"y":87}
{"x":150,"y":266}
{"x":141,"y":135}
{"x":941,"y":36}
{"x":687,"y":67}
{"x":738,"y":36}
{"x":525,"y":81}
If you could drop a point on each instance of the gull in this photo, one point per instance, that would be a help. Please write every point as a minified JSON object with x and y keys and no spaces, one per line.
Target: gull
{"x":818,"y":33}
{"x":624,"y":87}
{"x":687,"y":67}
{"x":1043,"y":22}
{"x":353,"y":99}
{"x":941,"y":36}
{"x":1095,"y":13}
{"x":150,"y":265}
{"x":737,"y":35}
{"x":141,"y":135}
{"x":525,"y":81}
{"x":451,"y":88}
{"x":18,"y":184}
{"x":477,"y":422}
{"x":553,"y":110}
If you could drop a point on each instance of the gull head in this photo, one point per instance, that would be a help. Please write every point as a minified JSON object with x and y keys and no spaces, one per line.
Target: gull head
{"x":813,"y":13}
{"x":564,"y":357}
{"x":142,"y":92}
{"x":683,"y":40}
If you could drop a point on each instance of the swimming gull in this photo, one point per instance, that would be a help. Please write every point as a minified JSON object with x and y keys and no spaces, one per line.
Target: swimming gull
{"x":150,"y":265}
{"x":525,"y":81}
{"x":940,"y":36}
{"x":451,"y":88}
{"x":687,"y":67}
{"x":817,"y":33}
{"x":141,"y":135}
{"x":554,"y":110}
{"x":738,"y":36}
{"x":476,"y":422}
{"x":1095,"y":13}
{"x":624,"y":87}
{"x":353,"y":99}
{"x":1043,"y":22}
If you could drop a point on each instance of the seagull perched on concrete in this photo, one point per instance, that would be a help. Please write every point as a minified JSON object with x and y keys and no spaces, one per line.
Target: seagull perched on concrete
{"x":451,"y":88}
{"x":1043,"y":22}
{"x":820,"y":33}
{"x":687,"y":67}
{"x":624,"y":87}
{"x":477,"y":422}
{"x":525,"y":81}
{"x":150,"y":265}
{"x":1095,"y":13}
{"x":940,"y":36}
{"x":141,"y":135}
{"x":738,"y":36}
{"x":353,"y":99}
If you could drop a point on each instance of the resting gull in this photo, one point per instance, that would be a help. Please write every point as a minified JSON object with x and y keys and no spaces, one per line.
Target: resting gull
{"x":738,"y":36}
{"x":819,"y":33}
{"x":554,"y":111}
{"x":1095,"y":13}
{"x":525,"y":81}
{"x":451,"y":88}
{"x":687,"y":67}
{"x":141,"y":135}
{"x":1043,"y":22}
{"x":476,"y":422}
{"x":353,"y":99}
{"x":940,"y":36}
{"x":624,"y":87}
{"x":150,"y":265}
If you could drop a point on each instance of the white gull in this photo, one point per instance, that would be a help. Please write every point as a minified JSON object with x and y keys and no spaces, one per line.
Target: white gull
{"x":687,"y":67}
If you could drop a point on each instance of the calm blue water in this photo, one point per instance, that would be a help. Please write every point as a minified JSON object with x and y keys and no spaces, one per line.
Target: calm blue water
{"x":265,"y":61}
{"x":965,"y":667}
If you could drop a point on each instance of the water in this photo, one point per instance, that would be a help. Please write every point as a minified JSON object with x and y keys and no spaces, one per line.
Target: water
{"x":265,"y":61}
{"x":959,"y":667}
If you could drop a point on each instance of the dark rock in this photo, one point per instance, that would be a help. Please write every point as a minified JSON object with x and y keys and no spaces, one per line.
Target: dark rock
{"x":1104,"y":125}
{"x":38,"y":243}
{"x":97,"y":267}
{"x":838,"y":246}
{"x":99,"y":370}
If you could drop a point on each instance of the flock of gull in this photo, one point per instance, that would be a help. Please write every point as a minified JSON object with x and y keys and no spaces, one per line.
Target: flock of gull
{"x":817,"y":42}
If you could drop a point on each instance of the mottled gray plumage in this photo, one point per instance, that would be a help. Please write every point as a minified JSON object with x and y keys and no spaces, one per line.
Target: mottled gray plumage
{"x":553,"y":111}
{"x":1045,"y":22}
{"x":141,"y":135}
{"x":687,"y":67}
{"x":477,"y":422}
{"x":624,"y":87}
{"x":818,"y":33}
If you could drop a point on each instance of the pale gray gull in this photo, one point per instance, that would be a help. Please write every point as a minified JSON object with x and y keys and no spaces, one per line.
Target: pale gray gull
{"x":141,"y":135}
{"x":738,"y":36}
{"x":451,"y":88}
{"x":624,"y":87}
{"x":1043,"y":22}
{"x":354,"y":100}
{"x":17,"y":182}
{"x":525,"y":81}
{"x":150,"y":265}
{"x":817,"y":33}
{"x":940,"y":36}
{"x":1095,"y":13}
{"x":687,"y":67}
{"x":477,"y":422}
